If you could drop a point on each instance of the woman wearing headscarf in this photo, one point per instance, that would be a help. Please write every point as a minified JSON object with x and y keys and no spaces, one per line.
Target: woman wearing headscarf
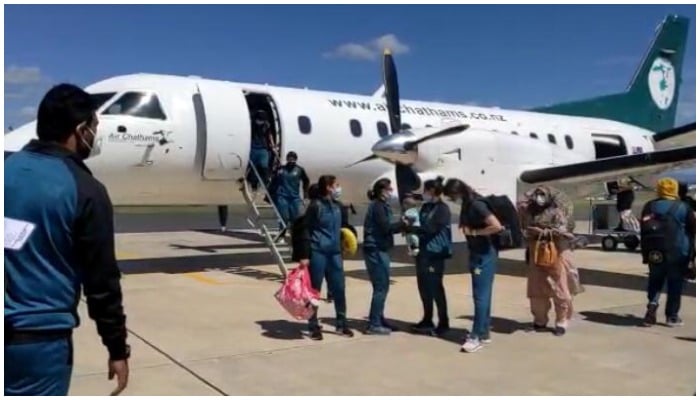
{"x":668,"y":256}
{"x":545,"y":211}
{"x":379,"y":230}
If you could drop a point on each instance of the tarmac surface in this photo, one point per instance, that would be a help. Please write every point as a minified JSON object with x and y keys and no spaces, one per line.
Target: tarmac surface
{"x":203,"y":321}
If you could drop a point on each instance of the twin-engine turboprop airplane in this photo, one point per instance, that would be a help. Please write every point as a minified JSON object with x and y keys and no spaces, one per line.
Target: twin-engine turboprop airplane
{"x":171,"y":140}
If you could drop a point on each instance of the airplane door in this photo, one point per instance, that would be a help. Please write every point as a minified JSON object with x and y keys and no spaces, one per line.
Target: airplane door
{"x":223,"y":130}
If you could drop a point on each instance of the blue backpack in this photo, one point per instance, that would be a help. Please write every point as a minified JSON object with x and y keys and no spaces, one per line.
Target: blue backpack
{"x":660,"y":233}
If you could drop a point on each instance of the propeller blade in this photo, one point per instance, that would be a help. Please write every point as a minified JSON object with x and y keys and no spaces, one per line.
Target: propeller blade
{"x":453,"y":130}
{"x":391,"y":92}
{"x":406,"y":181}
{"x":368,"y":158}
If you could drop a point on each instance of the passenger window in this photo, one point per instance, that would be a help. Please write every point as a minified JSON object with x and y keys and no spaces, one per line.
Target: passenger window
{"x":304,"y":124}
{"x":533,"y":135}
{"x":428,"y":126}
{"x":552,"y":139}
{"x":405,"y":126}
{"x":382,"y":129}
{"x":142,"y":105}
{"x":355,"y":128}
{"x":514,"y":133}
{"x":569,"y":142}
{"x":99,"y":99}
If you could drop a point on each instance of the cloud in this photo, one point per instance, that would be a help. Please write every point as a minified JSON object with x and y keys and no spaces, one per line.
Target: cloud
{"x":369,"y":50}
{"x":15,"y":75}
{"x":27,"y":112}
{"x":15,"y":95}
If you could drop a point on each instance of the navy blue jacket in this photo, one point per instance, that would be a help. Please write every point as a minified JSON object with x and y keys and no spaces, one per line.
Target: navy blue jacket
{"x":379,"y":230}
{"x":71,"y":246}
{"x":301,"y":236}
{"x":287,"y":180}
{"x":324,"y":221}
{"x":435,"y":230}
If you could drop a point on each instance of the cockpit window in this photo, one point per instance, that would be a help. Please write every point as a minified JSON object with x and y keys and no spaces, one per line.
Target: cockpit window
{"x":98,"y":99}
{"x":144,"y":105}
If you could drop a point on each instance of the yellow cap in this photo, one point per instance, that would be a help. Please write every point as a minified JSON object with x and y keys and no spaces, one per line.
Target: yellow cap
{"x":667,"y":188}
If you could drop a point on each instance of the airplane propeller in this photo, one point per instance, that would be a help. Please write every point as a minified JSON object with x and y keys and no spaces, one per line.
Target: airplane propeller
{"x":406,"y":179}
{"x":401,"y":146}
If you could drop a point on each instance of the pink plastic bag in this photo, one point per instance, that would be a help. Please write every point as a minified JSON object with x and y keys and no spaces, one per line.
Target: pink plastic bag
{"x":296,"y":294}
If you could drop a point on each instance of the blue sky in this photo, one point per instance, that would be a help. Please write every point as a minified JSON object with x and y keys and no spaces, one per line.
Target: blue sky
{"x":500,"y":55}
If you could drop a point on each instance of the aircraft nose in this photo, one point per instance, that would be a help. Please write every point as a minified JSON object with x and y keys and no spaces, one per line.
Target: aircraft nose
{"x":396,"y":148}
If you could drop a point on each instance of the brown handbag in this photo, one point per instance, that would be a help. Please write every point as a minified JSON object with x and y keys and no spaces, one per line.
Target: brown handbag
{"x":546,"y":253}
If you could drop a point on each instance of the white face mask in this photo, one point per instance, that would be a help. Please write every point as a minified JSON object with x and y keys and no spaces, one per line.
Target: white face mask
{"x":428,"y":198}
{"x":337,"y":192}
{"x":96,"y":147}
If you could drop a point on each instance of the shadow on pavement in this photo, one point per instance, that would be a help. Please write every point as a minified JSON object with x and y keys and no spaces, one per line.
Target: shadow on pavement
{"x":243,"y":263}
{"x":613,"y":319}
{"x":503,"y":325}
{"x":283,"y":330}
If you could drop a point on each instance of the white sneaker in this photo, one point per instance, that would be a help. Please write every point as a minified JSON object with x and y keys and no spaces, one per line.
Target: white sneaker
{"x":471,"y":345}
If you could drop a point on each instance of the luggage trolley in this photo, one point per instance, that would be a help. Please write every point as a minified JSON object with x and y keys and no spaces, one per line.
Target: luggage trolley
{"x":603,"y":222}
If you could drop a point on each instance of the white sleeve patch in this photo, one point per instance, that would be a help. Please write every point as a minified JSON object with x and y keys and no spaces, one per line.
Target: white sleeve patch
{"x":17,"y":233}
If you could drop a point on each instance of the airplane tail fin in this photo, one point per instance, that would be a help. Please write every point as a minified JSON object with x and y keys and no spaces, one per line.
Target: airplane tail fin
{"x":651,"y":98}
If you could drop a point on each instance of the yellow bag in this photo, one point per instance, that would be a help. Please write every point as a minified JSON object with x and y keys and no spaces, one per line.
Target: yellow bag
{"x":348,"y":242}
{"x":546,"y":253}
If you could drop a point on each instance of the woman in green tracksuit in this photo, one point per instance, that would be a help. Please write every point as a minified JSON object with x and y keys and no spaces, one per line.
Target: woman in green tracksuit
{"x":435,"y":236}
{"x":378,"y":240}
{"x":323,"y":221}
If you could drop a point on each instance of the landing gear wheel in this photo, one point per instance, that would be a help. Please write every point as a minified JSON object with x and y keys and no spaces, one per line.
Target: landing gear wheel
{"x":631,"y":242}
{"x":609,"y":243}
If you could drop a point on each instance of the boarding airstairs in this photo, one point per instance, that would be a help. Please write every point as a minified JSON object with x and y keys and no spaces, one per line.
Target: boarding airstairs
{"x":266,"y":218}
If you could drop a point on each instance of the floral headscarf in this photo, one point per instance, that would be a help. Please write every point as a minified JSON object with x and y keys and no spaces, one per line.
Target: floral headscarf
{"x":557,"y":213}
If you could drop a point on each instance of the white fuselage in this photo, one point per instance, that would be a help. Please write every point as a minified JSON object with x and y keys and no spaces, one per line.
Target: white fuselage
{"x":197,"y":153}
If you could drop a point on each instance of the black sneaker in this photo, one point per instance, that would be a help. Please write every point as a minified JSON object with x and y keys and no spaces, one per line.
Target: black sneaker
{"x":423,"y":327}
{"x":442,"y":329}
{"x":316,"y":334}
{"x":559,"y":331}
{"x":650,"y":316}
{"x":674,"y":322}
{"x":539,"y":328}
{"x":344,"y":331}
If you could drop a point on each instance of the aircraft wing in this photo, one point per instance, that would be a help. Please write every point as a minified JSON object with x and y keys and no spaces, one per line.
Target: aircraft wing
{"x":643,"y":168}
{"x":676,"y":137}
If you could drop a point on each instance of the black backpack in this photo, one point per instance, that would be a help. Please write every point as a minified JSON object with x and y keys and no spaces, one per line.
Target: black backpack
{"x":660,"y":233}
{"x":507,"y":215}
